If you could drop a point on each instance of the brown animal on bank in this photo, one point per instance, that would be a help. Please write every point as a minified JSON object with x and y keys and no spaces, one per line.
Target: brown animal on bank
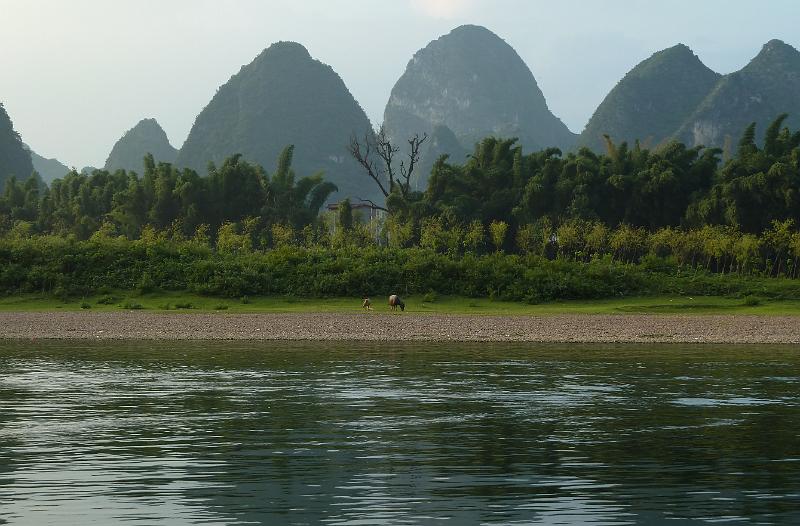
{"x":395,"y":301}
{"x":367,"y":304}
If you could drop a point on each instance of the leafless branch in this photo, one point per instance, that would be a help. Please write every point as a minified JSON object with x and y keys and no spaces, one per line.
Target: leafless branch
{"x":382,"y":169}
{"x":414,"y":144}
{"x":361,"y":153}
{"x":386,"y":152}
{"x":372,"y":203}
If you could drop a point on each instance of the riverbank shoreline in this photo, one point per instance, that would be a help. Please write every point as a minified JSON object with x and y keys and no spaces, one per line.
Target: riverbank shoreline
{"x":399,"y":327}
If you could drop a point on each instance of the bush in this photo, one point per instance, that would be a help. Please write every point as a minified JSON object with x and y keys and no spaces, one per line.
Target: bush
{"x":146,"y":284}
{"x":85,"y":305}
{"x":83,"y":268}
{"x":132,"y":305}
{"x":61,"y":293}
{"x":752,"y":301}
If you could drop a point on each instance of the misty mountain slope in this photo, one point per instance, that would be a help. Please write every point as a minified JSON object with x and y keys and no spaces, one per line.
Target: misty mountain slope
{"x":15,"y":159}
{"x":146,"y":137}
{"x":48,"y":169}
{"x":283,"y":97}
{"x":652,"y":101}
{"x":766,"y":87}
{"x":475,"y":84}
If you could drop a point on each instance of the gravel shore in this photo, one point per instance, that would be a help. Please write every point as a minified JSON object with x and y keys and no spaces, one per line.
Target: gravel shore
{"x":137,"y":325}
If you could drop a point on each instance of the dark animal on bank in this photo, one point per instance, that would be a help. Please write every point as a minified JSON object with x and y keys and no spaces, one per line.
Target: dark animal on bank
{"x":395,"y":301}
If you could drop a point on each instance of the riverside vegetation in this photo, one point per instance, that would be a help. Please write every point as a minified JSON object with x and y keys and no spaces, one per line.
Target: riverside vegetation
{"x":502,"y":225}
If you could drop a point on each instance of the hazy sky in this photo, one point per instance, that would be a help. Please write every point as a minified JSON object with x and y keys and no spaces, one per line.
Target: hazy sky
{"x":76,"y":74}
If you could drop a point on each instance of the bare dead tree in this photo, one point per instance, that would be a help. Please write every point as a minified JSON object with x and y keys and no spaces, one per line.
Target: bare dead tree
{"x":414,"y":144}
{"x":376,"y":154}
{"x":362,"y":152}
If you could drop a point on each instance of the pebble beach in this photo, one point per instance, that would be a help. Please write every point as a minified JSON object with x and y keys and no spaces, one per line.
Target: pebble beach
{"x":380,"y":327}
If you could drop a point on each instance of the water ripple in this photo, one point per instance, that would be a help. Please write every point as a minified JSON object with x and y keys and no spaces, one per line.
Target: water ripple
{"x":191,"y":433}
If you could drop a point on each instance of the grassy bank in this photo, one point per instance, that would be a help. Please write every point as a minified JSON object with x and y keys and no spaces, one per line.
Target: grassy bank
{"x":50,"y":273}
{"x":186,"y":302}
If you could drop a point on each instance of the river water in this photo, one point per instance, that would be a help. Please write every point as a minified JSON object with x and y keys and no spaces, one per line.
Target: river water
{"x":332,"y":433}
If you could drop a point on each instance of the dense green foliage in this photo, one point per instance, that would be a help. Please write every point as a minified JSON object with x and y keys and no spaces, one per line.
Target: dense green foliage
{"x":15,"y":159}
{"x":503,"y":224}
{"x":121,"y":203}
{"x":672,"y":186}
{"x":67,"y":267}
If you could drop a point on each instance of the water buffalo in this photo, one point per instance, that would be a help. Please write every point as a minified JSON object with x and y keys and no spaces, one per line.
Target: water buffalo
{"x":395,"y":301}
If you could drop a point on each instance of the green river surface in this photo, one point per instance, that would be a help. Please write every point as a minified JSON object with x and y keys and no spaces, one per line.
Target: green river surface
{"x":180,"y":433}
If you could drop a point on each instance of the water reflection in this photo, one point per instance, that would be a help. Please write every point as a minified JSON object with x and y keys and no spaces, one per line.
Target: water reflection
{"x":341,"y":434}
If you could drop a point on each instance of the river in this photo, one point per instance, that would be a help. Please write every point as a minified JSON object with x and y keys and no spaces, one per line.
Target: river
{"x":183,"y":433}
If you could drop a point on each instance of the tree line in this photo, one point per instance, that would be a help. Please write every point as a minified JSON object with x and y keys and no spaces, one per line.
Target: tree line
{"x":739,"y":215}
{"x":164,"y":197}
{"x":670,"y":186}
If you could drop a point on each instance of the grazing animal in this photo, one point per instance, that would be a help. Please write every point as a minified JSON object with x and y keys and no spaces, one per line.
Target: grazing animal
{"x":367,"y":304}
{"x":395,"y":301}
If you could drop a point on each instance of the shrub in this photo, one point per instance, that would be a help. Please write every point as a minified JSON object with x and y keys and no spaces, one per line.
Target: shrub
{"x":146,"y":284}
{"x":61,"y":293}
{"x":497,"y":232}
{"x":66,"y":268}
{"x":752,"y":301}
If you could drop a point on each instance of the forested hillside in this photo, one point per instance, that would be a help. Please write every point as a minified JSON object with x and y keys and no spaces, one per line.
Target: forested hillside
{"x":147,"y":137}
{"x":283,"y":97}
{"x":653,"y":100}
{"x":672,"y":95}
{"x":767,"y":86}
{"x":15,"y":159}
{"x":469,"y":84}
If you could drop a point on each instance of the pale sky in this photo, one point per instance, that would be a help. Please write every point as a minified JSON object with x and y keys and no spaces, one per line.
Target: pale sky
{"x":76,"y":74}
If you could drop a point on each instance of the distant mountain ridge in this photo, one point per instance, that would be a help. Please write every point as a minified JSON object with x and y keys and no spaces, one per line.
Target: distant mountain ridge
{"x":475,"y":84}
{"x":147,"y":137}
{"x":766,"y":87}
{"x":673,"y":96}
{"x":48,"y":169}
{"x":652,"y":101}
{"x":459,"y":88}
{"x":283,"y":97}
